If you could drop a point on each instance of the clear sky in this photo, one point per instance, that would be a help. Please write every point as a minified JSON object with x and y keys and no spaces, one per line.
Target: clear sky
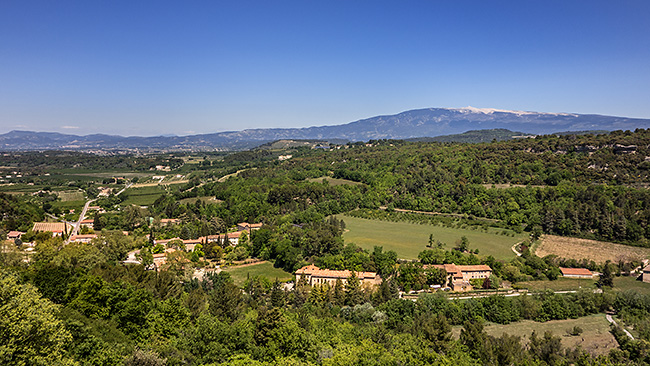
{"x":184,"y":67}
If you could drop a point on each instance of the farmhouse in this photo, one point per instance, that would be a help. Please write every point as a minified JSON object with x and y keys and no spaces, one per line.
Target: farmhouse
{"x":576,"y":273}
{"x":56,"y":228}
{"x":233,"y":237}
{"x":161,"y":258}
{"x":14,"y":234}
{"x":317,"y":276}
{"x":87,"y":223}
{"x":460,"y":276}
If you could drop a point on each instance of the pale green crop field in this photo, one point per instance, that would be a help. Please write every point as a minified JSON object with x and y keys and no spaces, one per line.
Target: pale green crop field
{"x":408,"y":239}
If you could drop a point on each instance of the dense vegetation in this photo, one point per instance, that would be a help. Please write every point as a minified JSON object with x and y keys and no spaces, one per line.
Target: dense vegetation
{"x":95,"y":310}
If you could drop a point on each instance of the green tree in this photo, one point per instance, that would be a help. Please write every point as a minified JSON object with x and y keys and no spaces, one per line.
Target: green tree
{"x":354,"y":294}
{"x":607,"y":276}
{"x":30,"y":332}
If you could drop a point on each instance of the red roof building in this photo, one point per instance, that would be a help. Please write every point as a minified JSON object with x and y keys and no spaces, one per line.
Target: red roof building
{"x":317,"y":276}
{"x":576,"y":272}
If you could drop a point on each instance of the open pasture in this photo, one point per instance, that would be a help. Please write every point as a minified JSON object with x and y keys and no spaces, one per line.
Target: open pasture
{"x":598,"y":251}
{"x":409,"y":239}
{"x":595,"y":338}
{"x":263,"y":269}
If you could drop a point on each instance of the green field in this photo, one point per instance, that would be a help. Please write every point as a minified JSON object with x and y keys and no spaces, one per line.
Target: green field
{"x":265,"y":269}
{"x":67,"y":196}
{"x":69,"y":205}
{"x":625,"y":283}
{"x":143,"y":196}
{"x":561,"y":284}
{"x":334,"y":181}
{"x":595,"y":338}
{"x":408,"y":239}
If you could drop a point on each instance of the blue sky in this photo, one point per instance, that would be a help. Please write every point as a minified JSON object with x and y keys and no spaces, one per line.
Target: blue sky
{"x":171,"y":67}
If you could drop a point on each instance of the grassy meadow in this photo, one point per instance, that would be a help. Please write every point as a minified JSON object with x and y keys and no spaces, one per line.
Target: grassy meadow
{"x":561,"y":284}
{"x":595,"y":338}
{"x":626,"y":283}
{"x":408,"y":239}
{"x":264,"y":269}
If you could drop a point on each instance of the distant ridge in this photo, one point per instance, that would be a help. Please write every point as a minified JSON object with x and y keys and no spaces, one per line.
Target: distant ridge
{"x":430,"y":122}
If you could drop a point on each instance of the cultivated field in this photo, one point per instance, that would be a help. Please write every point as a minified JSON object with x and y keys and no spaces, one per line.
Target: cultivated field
{"x":408,"y":239}
{"x":595,"y":338}
{"x":264,"y":269}
{"x":598,"y":251}
{"x":66,"y":196}
{"x":143,"y":196}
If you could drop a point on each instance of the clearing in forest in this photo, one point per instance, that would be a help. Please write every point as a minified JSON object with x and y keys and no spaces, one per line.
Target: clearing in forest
{"x":335,"y":181}
{"x":598,"y":251}
{"x":409,"y":239}
{"x":264,"y":269}
{"x":595,"y":338}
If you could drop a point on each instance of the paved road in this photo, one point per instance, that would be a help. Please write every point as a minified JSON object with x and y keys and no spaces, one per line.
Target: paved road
{"x":82,"y":216}
{"x":611,"y":320}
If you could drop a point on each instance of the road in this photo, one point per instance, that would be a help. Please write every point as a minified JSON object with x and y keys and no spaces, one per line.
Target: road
{"x":82,"y":215}
{"x":611,"y":320}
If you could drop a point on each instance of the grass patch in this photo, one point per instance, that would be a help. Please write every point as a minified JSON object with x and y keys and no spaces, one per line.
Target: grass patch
{"x":263,"y":269}
{"x":626,"y":283}
{"x":334,"y":181}
{"x":67,"y":196}
{"x":409,"y":239}
{"x":70,"y":205}
{"x":595,"y":338}
{"x":561,"y":284}
{"x":142,"y":196}
{"x":598,"y":251}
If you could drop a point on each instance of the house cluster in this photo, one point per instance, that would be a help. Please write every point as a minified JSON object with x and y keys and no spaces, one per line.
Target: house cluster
{"x":459,"y":276}
{"x":316,"y":276}
{"x":232,"y":237}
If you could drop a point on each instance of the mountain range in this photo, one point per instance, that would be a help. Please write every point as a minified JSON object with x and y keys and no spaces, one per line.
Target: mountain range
{"x":430,"y":122}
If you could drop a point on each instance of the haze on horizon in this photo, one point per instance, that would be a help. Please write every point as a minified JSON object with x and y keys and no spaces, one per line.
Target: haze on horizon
{"x":151,"y":68}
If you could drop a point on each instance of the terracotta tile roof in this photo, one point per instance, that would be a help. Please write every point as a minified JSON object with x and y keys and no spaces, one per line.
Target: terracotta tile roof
{"x":233,"y":235}
{"x":575,"y":272}
{"x":14,"y":234}
{"x":55,"y":227}
{"x":315,"y":271}
{"x":475,"y":268}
